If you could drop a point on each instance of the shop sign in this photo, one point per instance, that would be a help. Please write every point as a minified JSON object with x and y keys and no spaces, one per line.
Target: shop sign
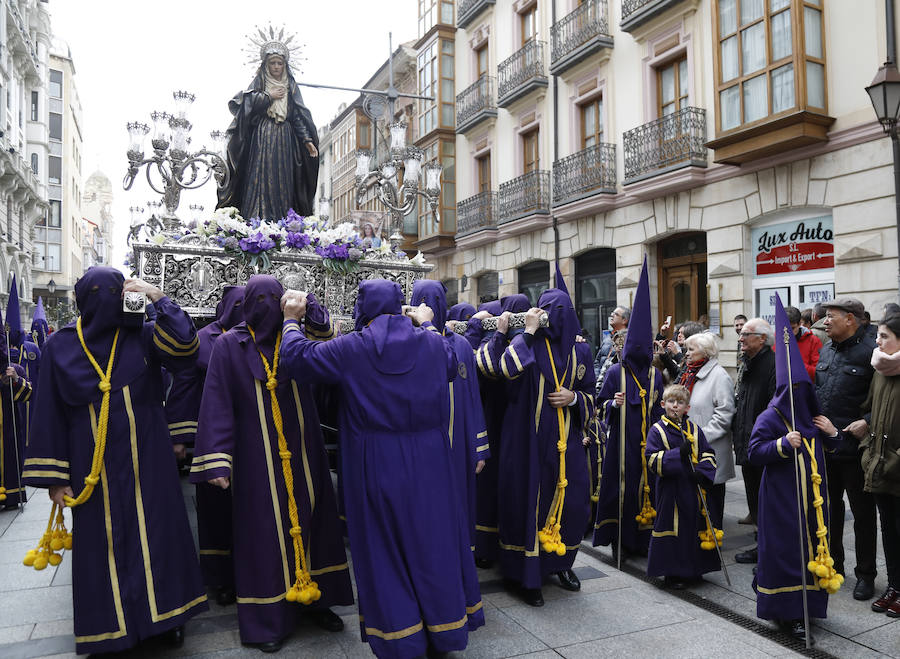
{"x":766,"y":302}
{"x":803,"y":245}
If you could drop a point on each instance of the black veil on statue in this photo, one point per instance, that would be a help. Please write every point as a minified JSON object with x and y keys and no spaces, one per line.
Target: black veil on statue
{"x":249,"y":109}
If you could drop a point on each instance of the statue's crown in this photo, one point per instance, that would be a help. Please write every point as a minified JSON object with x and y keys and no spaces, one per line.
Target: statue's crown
{"x":267,"y":41}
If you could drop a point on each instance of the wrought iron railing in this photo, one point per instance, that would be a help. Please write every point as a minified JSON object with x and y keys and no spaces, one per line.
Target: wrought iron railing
{"x":631,"y":6}
{"x":468,"y":9}
{"x":524,"y":195}
{"x":594,"y":168}
{"x":475,"y":99}
{"x":667,"y":141}
{"x":478,"y":212}
{"x":525,"y":64}
{"x":577,"y":28}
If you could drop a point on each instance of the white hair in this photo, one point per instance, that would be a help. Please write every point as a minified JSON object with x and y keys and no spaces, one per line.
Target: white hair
{"x":704,"y":342}
{"x":761,"y":326}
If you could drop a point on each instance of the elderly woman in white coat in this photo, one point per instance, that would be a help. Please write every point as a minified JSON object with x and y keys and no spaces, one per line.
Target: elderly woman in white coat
{"x":712,"y":406}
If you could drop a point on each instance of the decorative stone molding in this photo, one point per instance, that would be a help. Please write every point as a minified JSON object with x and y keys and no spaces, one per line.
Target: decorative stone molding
{"x":723,"y":265}
{"x":859,"y":247}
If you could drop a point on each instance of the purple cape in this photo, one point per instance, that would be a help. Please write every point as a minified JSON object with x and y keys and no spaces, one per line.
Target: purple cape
{"x":134,"y":564}
{"x":462,"y":311}
{"x":415,"y":576}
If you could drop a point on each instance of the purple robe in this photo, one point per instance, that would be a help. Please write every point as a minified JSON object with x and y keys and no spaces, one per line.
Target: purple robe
{"x":415,"y":576}
{"x":237,"y":438}
{"x":675,"y":542}
{"x":134,"y":566}
{"x":635,"y":536}
{"x":529,"y":459}
{"x":467,"y":431}
{"x":12,"y":437}
{"x":182,"y":412}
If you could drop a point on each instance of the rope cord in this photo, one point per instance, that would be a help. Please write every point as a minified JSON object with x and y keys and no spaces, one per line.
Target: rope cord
{"x":550,"y":537}
{"x":304,"y":589}
{"x":822,"y":567}
{"x":647,"y":513}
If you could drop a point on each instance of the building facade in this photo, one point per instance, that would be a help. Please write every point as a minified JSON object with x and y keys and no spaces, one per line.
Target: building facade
{"x":96,"y":209}
{"x":24,"y":54}
{"x":730,"y":142}
{"x":58,"y":234}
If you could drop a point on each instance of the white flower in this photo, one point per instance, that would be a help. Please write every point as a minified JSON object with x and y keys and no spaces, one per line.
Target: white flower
{"x":418,"y":259}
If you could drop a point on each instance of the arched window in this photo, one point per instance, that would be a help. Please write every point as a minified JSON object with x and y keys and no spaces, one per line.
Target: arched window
{"x":534,"y":279}
{"x":488,"y":287}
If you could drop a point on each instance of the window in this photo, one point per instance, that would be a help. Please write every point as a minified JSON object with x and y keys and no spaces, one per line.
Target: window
{"x":432,"y":12}
{"x":363,"y":129}
{"x":483,"y":165}
{"x":448,"y":85}
{"x":34,"y":163}
{"x":531,"y":159}
{"x":435,"y":65}
{"x":21,"y":227}
{"x":56,"y":80}
{"x":528,"y":23}
{"x":54,"y":170}
{"x":481,"y":60}
{"x":672,"y":87}
{"x":488,"y":287}
{"x":55,"y":213}
{"x":760,"y":73}
{"x":452,"y":286}
{"x":56,"y":126}
{"x":534,"y":279}
{"x":427,"y":67}
{"x":48,"y":249}
{"x":595,"y":292}
{"x":591,"y":122}
{"x":34,"y":106}
{"x":445,"y":222}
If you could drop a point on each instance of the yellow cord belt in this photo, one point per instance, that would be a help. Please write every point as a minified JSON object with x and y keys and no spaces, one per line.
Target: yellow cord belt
{"x":304,"y":589}
{"x":822,"y":567}
{"x":56,"y":537}
{"x":551,"y":540}
{"x":647,"y":511}
{"x":595,"y":431}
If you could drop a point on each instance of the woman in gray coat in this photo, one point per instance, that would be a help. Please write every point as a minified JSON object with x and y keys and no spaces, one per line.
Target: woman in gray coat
{"x":712,"y":406}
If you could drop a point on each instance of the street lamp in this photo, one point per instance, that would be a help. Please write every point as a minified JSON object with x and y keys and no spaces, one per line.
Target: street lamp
{"x":51,"y":288}
{"x":884,"y":92}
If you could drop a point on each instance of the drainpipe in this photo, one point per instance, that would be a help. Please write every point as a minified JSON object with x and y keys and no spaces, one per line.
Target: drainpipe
{"x":555,"y":136}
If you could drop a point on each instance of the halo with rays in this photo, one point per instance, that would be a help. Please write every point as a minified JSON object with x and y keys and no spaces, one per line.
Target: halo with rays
{"x":267,"y":40}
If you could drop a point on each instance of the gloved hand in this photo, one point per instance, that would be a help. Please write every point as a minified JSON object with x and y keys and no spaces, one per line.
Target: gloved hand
{"x":685,"y":450}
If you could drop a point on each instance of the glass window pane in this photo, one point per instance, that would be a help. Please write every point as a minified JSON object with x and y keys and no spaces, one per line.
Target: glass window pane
{"x":447,"y":66}
{"x":815,"y":85}
{"x":755,"y":99}
{"x":682,"y":78}
{"x":668,"y":84}
{"x":730,"y":107}
{"x":781,"y":35}
{"x":727,"y":17}
{"x":447,"y":115}
{"x":779,"y":4}
{"x":753,"y":47}
{"x":751,"y":10}
{"x":730,"y":59}
{"x":54,"y":260}
{"x":447,"y":13}
{"x":812,"y":25}
{"x":782,"y":88}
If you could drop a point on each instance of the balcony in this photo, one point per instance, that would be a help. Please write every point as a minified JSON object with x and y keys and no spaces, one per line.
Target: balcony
{"x":469,"y":10}
{"x":478,"y":213}
{"x":671,"y":142}
{"x":528,"y":194}
{"x":638,"y":12}
{"x":579,"y":35}
{"x":20,"y":41}
{"x":521,"y":73}
{"x":476,"y":104}
{"x":586,"y":173}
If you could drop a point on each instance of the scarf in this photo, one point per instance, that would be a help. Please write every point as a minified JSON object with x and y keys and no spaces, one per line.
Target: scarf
{"x":278,"y":108}
{"x":689,"y":376}
{"x":886,"y":364}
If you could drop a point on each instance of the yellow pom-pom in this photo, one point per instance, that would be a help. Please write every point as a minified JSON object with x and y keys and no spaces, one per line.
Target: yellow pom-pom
{"x":560,"y":549}
{"x":40,"y":562}
{"x":291,"y":595}
{"x":55,"y":559}
{"x":595,"y":498}
{"x":316,"y":595}
{"x":56,"y":544}
{"x":29,"y":557}
{"x":829,"y":561}
{"x":547,"y":547}
{"x":2,"y":490}
{"x":305,"y":596}
{"x":2,"y":497}
{"x":812,"y":566}
{"x":821,"y":571}
{"x":707,"y":545}
{"x":67,"y":543}
{"x":719,"y":534}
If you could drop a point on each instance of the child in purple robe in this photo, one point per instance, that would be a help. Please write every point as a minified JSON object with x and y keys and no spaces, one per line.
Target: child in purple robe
{"x":678,"y":454}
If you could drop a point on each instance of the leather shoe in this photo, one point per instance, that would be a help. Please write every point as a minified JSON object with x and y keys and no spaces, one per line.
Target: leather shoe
{"x":326,"y":619}
{"x":893,"y":610}
{"x":484,"y":563}
{"x":175,"y":637}
{"x":225,"y":596}
{"x":747,"y":520}
{"x":748,"y":557}
{"x":270,"y":646}
{"x":798,"y":631}
{"x":533,"y":596}
{"x":569,"y":580}
{"x":864,"y":590}
{"x":882,"y":603}
{"x":675,"y":583}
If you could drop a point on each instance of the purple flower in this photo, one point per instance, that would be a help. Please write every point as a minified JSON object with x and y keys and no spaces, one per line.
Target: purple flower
{"x":334,"y":251}
{"x":297,"y":240}
{"x":292,"y":216}
{"x":256,"y":243}
{"x":254,"y":222}
{"x":229,"y":243}
{"x":355,"y":254}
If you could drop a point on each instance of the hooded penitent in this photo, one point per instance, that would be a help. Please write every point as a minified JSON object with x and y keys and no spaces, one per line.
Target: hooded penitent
{"x":517,"y":303}
{"x":376,"y":297}
{"x":434,"y":295}
{"x":262,"y":309}
{"x":230,"y":311}
{"x":13,"y":316}
{"x":39,"y":326}
{"x":462,"y":311}
{"x":492,"y":307}
{"x":637,"y":354}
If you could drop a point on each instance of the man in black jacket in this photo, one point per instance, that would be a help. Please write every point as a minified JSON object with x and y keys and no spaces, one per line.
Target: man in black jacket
{"x":843,"y":375}
{"x":754,"y":390}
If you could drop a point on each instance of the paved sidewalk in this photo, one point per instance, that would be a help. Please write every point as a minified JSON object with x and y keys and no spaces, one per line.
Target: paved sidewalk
{"x":615,"y":614}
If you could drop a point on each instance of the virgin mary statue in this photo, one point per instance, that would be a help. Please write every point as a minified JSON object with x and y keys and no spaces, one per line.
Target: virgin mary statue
{"x":272,"y":141}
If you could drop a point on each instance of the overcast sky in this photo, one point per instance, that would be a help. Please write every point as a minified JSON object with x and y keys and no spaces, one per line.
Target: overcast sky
{"x":130,"y":55}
